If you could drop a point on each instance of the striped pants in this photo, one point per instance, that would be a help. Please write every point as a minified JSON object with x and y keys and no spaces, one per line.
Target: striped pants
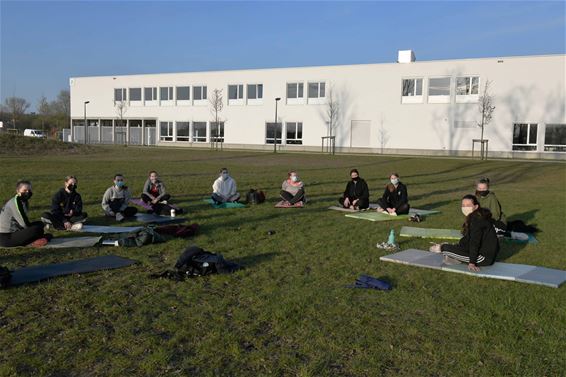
{"x":457,"y":252}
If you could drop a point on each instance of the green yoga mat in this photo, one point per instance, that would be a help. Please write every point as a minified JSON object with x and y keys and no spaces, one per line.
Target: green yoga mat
{"x":379,"y":216}
{"x":445,"y":234}
{"x":225,"y":205}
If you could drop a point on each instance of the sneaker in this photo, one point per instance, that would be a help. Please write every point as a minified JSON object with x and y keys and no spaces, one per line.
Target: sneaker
{"x":76,"y":227}
{"x":40,"y":242}
{"x":119,"y":217}
{"x":380,"y":210}
{"x":46,"y":227}
{"x":45,"y":220}
{"x":393,"y":214}
{"x":436,"y":248}
{"x":163,"y":202}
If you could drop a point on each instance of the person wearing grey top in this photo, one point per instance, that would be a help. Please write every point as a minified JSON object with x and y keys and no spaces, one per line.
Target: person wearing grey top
{"x":116,"y":198}
{"x":15,"y":227}
{"x":293,"y":190}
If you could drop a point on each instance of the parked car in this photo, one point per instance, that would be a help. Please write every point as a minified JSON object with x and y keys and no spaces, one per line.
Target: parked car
{"x":34,"y":133}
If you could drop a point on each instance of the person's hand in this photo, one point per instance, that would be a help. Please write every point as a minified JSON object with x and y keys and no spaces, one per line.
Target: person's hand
{"x":70,"y":213}
{"x":355,"y":202}
{"x":111,"y":213}
{"x":346,"y":203}
{"x":391,"y":210}
{"x":67,"y":225}
{"x":472,"y":267}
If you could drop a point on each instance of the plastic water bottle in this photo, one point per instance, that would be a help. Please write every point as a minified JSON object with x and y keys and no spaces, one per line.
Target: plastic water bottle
{"x":391,"y":239}
{"x":172,"y":212}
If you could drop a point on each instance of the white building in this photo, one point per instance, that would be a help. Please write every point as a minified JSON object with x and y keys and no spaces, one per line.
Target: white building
{"x":409,"y":107}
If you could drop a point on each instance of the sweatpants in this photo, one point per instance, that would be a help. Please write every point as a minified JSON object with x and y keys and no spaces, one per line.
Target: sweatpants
{"x":362,"y":203}
{"x":22,"y":237}
{"x":402,"y":209}
{"x":220,"y":199}
{"x":457,"y":252}
{"x":292,"y":199}
{"x":115,"y":206}
{"x":58,"y":220}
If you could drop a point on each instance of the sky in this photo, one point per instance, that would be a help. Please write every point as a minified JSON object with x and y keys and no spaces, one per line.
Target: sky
{"x":44,"y":43}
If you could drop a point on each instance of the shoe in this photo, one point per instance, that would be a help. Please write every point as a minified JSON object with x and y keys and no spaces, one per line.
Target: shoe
{"x":163,"y":202}
{"x":393,"y":214}
{"x":76,"y":227}
{"x":119,"y":217}
{"x":45,"y":220}
{"x":435,"y":249}
{"x":46,"y":227}
{"x":40,"y":242}
{"x":380,"y":210}
{"x":416,"y":218}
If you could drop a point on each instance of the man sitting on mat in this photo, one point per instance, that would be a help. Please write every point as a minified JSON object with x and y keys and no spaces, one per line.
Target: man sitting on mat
{"x":488,"y":200}
{"x":479,"y":245}
{"x":395,"y":200}
{"x":293,"y":190}
{"x":155,"y":195}
{"x":66,"y":208}
{"x":356,"y":195}
{"x":116,"y":198}
{"x":224,"y":189}
{"x":15,"y":227}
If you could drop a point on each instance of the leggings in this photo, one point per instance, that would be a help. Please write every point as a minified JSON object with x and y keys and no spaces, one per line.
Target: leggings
{"x":220,"y":199}
{"x":401,"y":209}
{"x":58,"y":220}
{"x":115,"y":206}
{"x":159,"y":208}
{"x":147,"y":199}
{"x":292,"y":199}
{"x":362,"y":203}
{"x":455,"y":251}
{"x":22,"y":237}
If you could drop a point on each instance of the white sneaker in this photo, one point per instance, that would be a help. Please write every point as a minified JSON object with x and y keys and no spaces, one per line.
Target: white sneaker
{"x":436,"y":248}
{"x":76,"y":227}
{"x":393,"y":214}
{"x":519,"y":236}
{"x":119,"y":217}
{"x":380,"y":210}
{"x":163,"y":202}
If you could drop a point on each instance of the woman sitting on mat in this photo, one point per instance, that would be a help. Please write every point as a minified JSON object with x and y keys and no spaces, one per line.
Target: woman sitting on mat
{"x":15,"y":227}
{"x":395,"y":200}
{"x":488,"y":200}
{"x":224,"y":189}
{"x":356,"y":195}
{"x":293,"y":190}
{"x":66,"y":208}
{"x":156,"y":197}
{"x":116,"y":198}
{"x":479,"y":245}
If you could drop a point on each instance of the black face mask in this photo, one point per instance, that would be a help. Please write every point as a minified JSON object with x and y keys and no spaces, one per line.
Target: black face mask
{"x":356,"y":179}
{"x":26,"y":196}
{"x":72,"y":187}
{"x":482,"y":193}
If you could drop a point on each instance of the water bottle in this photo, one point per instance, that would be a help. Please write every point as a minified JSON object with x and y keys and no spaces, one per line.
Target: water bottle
{"x":172,"y":212}
{"x":391,"y":239}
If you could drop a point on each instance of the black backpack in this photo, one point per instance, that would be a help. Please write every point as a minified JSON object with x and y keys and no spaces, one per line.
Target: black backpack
{"x":5,"y":277}
{"x":195,"y":261}
{"x":255,"y":197}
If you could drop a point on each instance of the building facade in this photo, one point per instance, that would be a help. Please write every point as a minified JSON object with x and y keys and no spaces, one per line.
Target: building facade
{"x":407,"y":107}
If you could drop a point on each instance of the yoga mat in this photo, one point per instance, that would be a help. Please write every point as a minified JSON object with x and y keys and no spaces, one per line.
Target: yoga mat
{"x":281,"y":204}
{"x":141,"y":203}
{"x":504,"y":271}
{"x":445,"y":234}
{"x":61,"y":243}
{"x":38,"y":273}
{"x":342,"y":209}
{"x":225,"y":205}
{"x":379,"y":216}
{"x":156,"y":219}
{"x":109,"y":229}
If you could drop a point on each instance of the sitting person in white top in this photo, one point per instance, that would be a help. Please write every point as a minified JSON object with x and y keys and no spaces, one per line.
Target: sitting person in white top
{"x":224,"y":188}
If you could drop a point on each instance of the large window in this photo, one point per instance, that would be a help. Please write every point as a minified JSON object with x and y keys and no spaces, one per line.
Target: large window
{"x":439,"y":90}
{"x":412,"y":87}
{"x":317,"y":90}
{"x":255,"y":91}
{"x":235,"y":91}
{"x":294,"y":132}
{"x":120,"y":95}
{"x":217,"y":131}
{"x":555,"y":138}
{"x":467,"y":89}
{"x":295,"y":90}
{"x":150,"y":94}
{"x":525,"y":136}
{"x":199,"y":132}
{"x":166,"y":93}
{"x":166,"y":131}
{"x":135,"y":94}
{"x":183,"y":93}
{"x":272,"y":132}
{"x":199,"y":93}
{"x":183,"y":131}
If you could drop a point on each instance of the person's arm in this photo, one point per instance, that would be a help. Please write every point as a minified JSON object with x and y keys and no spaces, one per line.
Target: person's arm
{"x":495,"y":208}
{"x":78,"y":204}
{"x":475,"y":237}
{"x":233,"y":187}
{"x":127,"y":198}
{"x":19,"y":213}
{"x":106,"y":200}
{"x":404,"y":197}
{"x":365,"y":191}
{"x":162,"y":191}
{"x":284,"y":185}
{"x":56,"y":204}
{"x":216,"y":186}
{"x":146,"y":188}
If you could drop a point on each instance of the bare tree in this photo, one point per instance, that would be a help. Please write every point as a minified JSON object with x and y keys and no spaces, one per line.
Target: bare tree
{"x":62,"y":104}
{"x":332,"y":110}
{"x":16,"y":107}
{"x":121,"y":109}
{"x":216,"y":106}
{"x":383,"y":135}
{"x":485,"y":108}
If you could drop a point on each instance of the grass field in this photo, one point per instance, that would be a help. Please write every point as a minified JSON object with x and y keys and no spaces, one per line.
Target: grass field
{"x":288,"y":312}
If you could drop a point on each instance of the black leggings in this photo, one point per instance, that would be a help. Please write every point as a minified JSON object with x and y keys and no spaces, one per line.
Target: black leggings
{"x":58,"y":221}
{"x":159,"y":208}
{"x":455,"y":251}
{"x":287,"y":196}
{"x":147,"y":199}
{"x":115,"y":206}
{"x":362,"y":203}
{"x":401,"y":209}
{"x":22,"y":237}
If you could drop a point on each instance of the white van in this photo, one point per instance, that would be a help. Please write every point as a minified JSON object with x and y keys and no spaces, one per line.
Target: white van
{"x":34,"y":133}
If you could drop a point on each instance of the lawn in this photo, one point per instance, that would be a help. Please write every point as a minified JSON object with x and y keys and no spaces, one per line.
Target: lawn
{"x":288,"y":313}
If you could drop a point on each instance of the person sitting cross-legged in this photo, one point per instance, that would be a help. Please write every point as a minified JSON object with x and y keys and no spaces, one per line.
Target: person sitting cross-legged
{"x":116,"y":198}
{"x":395,"y":200}
{"x":224,"y":188}
{"x":66,"y":208}
{"x":293,"y":190}
{"x":356,"y":195}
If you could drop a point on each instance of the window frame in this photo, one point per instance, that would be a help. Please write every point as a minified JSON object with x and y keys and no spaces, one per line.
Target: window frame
{"x":124,"y":94}
{"x":415,"y":98}
{"x":553,"y":148}
{"x":294,"y":140}
{"x":222,"y":130}
{"x":199,"y":139}
{"x":135,"y":102}
{"x":468,"y":96}
{"x":279,"y":140}
{"x":154,"y":100}
{"x":321,"y":87}
{"x":201,"y":101}
{"x":170,"y":95}
{"x":239,"y":100}
{"x":439,"y":98}
{"x":182,"y":102}
{"x":528,"y":146}
{"x":183,"y":138}
{"x":257,"y":100}
{"x":170,"y":137}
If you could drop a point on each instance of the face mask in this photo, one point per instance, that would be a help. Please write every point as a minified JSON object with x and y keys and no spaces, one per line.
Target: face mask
{"x":356,"y":179}
{"x":482,"y":193}
{"x":394,"y":181}
{"x":120,"y":184}
{"x":294,"y":178}
{"x":467,"y":210}
{"x":72,"y":187}
{"x":25,"y":196}
{"x":225,"y":176}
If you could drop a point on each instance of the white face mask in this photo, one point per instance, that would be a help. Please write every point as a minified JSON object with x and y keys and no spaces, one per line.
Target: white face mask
{"x":467,"y":210}
{"x":394,"y":181}
{"x":225,"y":176}
{"x":294,"y":178}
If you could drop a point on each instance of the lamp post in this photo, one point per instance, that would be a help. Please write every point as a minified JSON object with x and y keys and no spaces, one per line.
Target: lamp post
{"x":85,"y":125}
{"x":275,"y":131}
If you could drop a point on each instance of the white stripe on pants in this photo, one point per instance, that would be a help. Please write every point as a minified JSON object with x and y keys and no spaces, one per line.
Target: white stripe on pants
{"x":462,"y":258}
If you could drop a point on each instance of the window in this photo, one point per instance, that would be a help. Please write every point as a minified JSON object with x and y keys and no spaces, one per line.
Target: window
{"x":120,"y":95}
{"x":135,"y":94}
{"x":295,"y":90}
{"x":467,"y":86}
{"x":217,"y":132}
{"x":199,"y":93}
{"x":183,"y":131}
{"x":183,"y":93}
{"x":166,"y":131}
{"x":255,"y":91}
{"x":199,"y":132}
{"x":317,"y":90}
{"x":150,"y":94}
{"x":235,"y":92}
{"x":272,"y":132}
{"x":524,"y":137}
{"x":166,"y":93}
{"x":555,"y":138}
{"x":294,"y":132}
{"x":412,"y":87}
{"x":439,"y":90}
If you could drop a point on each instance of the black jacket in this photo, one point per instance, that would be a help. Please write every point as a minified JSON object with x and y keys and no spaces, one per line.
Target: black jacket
{"x":63,"y":202}
{"x":396,"y":198}
{"x":357,"y":190}
{"x":480,"y":238}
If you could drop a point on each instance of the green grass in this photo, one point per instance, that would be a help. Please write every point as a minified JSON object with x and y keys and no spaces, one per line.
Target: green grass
{"x":288,"y":312}
{"x":19,"y":145}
